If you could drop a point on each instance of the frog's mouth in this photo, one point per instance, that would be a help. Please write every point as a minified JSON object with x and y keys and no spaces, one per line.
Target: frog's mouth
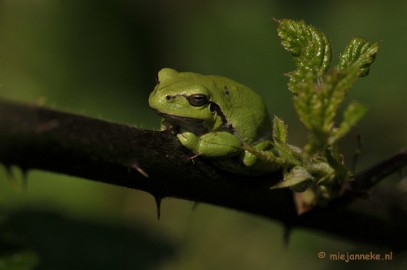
{"x":193,"y":125}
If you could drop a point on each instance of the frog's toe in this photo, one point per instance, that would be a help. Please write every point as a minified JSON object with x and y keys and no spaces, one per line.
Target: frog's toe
{"x":189,"y":140}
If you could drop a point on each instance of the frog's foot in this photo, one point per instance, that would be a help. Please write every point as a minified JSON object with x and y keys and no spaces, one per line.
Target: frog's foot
{"x":213,"y":144}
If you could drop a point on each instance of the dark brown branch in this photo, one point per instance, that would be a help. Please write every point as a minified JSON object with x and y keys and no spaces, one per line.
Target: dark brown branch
{"x":370,"y":177}
{"x":33,"y":137}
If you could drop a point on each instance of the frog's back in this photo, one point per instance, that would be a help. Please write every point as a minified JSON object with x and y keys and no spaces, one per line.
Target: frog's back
{"x":244,"y":109}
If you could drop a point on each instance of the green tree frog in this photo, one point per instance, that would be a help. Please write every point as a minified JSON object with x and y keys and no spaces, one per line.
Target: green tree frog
{"x":214,"y":117}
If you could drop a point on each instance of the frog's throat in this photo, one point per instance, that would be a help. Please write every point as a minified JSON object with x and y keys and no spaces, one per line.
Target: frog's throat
{"x":199,"y":126}
{"x":193,"y":125}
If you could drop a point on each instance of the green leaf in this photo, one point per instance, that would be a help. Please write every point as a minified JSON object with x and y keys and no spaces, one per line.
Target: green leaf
{"x":279,"y":131}
{"x":307,"y":104}
{"x":288,"y":155}
{"x":317,"y":104}
{"x":351,"y":116}
{"x":309,"y":46}
{"x":334,"y":91}
{"x":297,"y":178}
{"x":318,"y":94}
{"x":359,"y":53}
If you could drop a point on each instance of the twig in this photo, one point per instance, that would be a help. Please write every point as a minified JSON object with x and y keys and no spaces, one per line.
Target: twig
{"x":34,"y":137}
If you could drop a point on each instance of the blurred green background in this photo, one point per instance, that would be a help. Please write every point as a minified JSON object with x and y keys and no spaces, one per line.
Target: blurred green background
{"x":100,"y":58}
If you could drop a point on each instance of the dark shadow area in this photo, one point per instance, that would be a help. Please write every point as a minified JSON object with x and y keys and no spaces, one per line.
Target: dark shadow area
{"x":62,"y":242}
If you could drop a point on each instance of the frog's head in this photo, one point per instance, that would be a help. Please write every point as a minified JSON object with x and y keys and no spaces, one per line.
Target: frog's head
{"x":185,"y":99}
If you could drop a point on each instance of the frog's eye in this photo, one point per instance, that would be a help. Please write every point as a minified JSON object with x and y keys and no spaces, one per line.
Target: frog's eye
{"x":197,"y":100}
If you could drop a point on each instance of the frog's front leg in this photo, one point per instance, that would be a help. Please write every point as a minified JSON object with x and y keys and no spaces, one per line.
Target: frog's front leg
{"x":212,"y":144}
